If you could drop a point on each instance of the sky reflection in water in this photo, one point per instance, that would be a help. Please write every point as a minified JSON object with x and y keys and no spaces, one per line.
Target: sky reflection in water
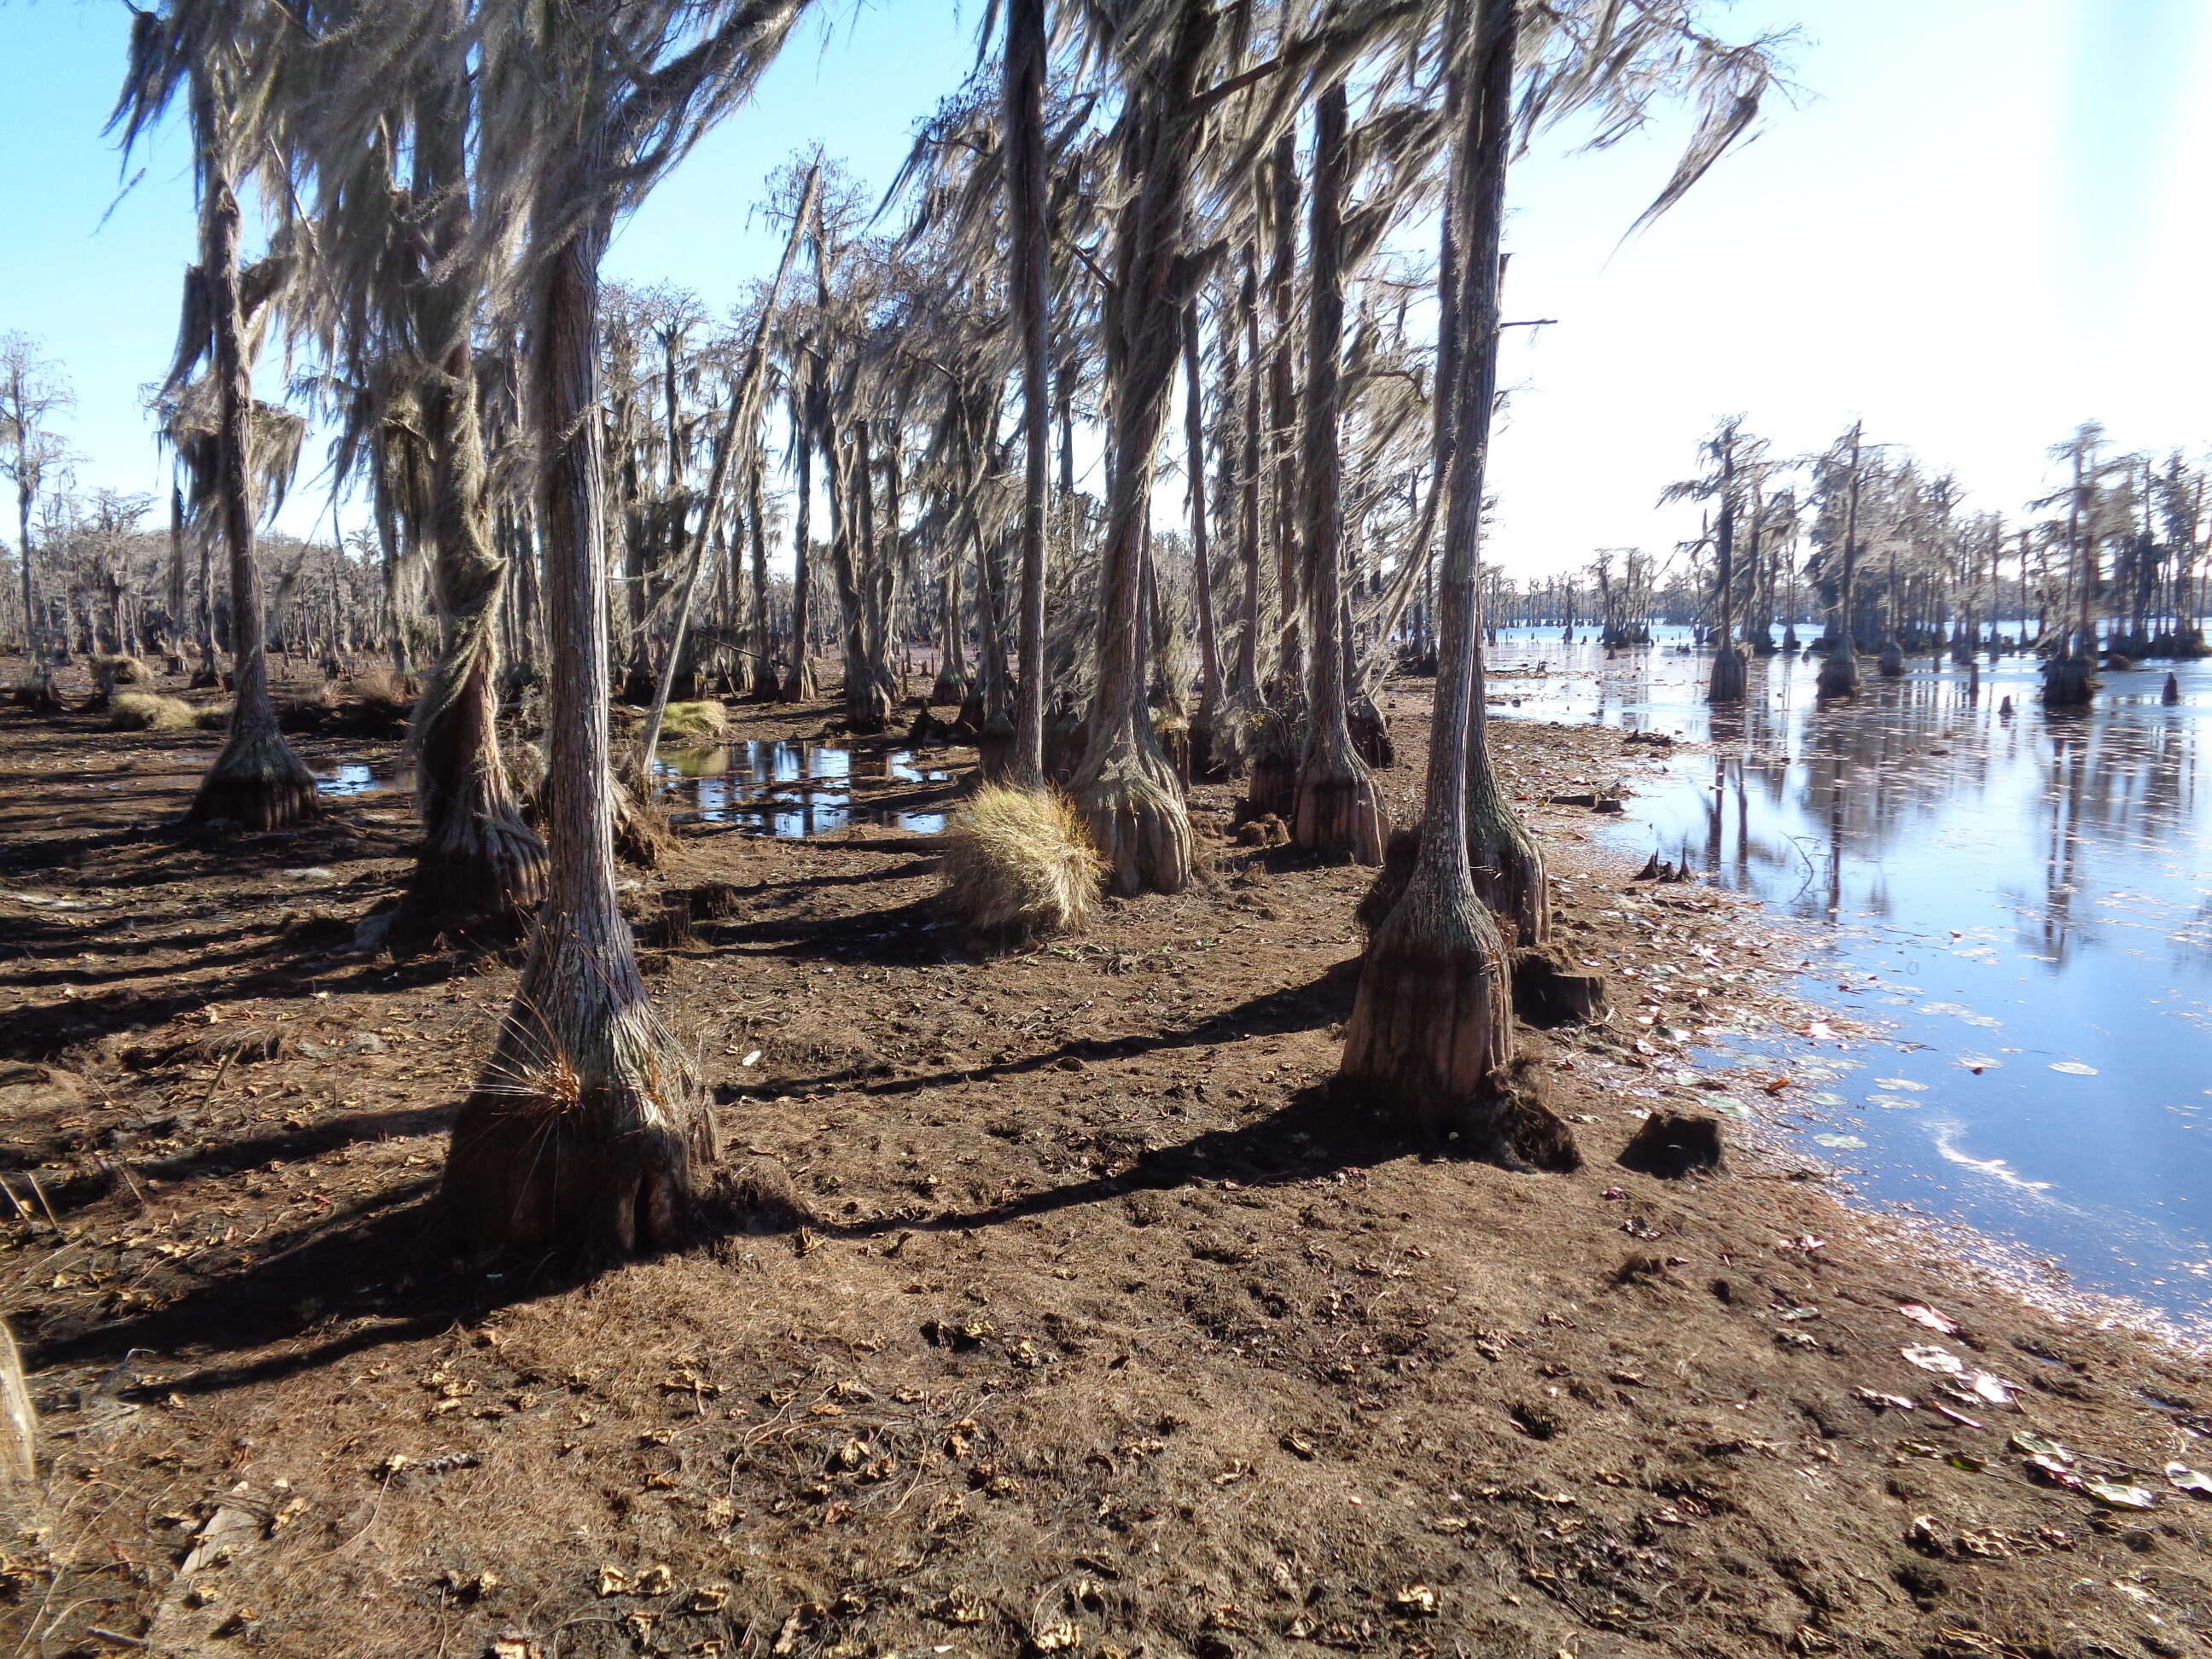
{"x":2031,"y":893}
{"x":792,"y":790}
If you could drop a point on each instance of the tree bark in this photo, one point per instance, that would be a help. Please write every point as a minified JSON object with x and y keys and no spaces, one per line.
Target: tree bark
{"x":1339,"y":815}
{"x":1125,"y":789}
{"x":480,"y":871}
{"x":256,"y":781}
{"x":583,"y":1131}
{"x":1726,"y":684}
{"x":1212,"y":690}
{"x":1027,"y":288}
{"x":798,"y":683}
{"x":1429,"y":1043}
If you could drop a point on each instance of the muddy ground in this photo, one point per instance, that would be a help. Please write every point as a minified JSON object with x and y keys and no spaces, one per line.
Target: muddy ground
{"x":1092,"y":1328}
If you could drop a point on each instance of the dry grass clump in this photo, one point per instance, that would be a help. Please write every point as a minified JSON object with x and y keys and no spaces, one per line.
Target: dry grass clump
{"x":122,"y":671}
{"x":1017,"y":863}
{"x":216,"y":717}
{"x":694,"y":723}
{"x":144,"y":711}
{"x":382,"y":689}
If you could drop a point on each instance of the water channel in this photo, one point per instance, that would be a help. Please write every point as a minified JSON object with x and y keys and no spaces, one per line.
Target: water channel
{"x":2022,"y":901}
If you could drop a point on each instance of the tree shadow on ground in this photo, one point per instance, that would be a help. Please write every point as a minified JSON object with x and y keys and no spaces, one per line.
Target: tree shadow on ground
{"x":1315,"y":1134}
{"x":1323,"y":1001}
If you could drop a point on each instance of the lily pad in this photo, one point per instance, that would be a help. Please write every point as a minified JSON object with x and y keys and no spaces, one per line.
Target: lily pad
{"x":2073,"y":1068}
{"x":1826,"y":1097}
{"x":1840,"y":1143}
{"x":1904,"y":1082}
{"x":1727,"y":1106}
{"x":1893,"y":1103}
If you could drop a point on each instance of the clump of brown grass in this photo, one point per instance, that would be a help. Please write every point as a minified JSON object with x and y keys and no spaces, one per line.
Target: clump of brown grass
{"x":1017,"y":863}
{"x":377,"y":688}
{"x":216,"y":717}
{"x":116,"y":671}
{"x":143,"y":711}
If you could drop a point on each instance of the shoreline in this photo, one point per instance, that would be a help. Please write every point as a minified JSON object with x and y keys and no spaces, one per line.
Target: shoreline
{"x":1094,"y":1317}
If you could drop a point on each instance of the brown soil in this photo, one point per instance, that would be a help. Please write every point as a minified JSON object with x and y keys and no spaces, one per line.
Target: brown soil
{"x":1049,"y":1306}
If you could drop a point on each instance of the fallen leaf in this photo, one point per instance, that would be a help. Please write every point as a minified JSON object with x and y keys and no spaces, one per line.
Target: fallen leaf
{"x":1988,"y":1389}
{"x":1921,"y":1313}
{"x":2053,"y":1471}
{"x":2119,"y":1495}
{"x":1930,"y":1357}
{"x":1895,"y":1402}
{"x":2187,"y":1480}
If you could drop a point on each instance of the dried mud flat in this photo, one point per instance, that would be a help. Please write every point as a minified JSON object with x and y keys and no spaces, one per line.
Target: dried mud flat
{"x":1049,"y":1307}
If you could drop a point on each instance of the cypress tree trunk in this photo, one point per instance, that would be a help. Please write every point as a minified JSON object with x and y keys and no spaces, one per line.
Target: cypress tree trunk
{"x":1027,"y":283}
{"x":1840,"y":669}
{"x":1339,"y":815}
{"x":480,"y":870}
{"x":1125,"y":788}
{"x":1429,"y":1043}
{"x":799,"y":681}
{"x":1727,"y":683}
{"x":584,"y":1128}
{"x":256,"y":779}
{"x":1209,"y":643}
{"x":760,"y":675}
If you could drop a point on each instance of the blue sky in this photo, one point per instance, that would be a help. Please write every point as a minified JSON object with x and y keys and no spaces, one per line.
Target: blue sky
{"x":1981,"y":224}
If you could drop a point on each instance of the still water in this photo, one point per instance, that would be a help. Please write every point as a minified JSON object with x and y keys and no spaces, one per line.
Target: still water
{"x":2022,"y":901}
{"x":794,"y":790}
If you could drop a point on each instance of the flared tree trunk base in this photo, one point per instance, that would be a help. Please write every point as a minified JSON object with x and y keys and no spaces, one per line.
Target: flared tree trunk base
{"x":1273,"y":788}
{"x":1370,"y":734}
{"x":642,"y":834}
{"x":995,"y":751}
{"x":1509,"y":877}
{"x":1838,"y":675}
{"x":798,"y":684}
{"x":1891,"y":662}
{"x":1136,"y":818}
{"x":584,"y":1135}
{"x":479,"y":883}
{"x":869,"y":710}
{"x":1339,"y":815}
{"x":1727,"y":683}
{"x":1429,"y":1047}
{"x":2069,"y":682}
{"x":36,"y":695}
{"x":257,"y":782}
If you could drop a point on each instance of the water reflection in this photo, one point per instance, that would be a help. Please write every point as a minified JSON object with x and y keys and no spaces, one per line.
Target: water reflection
{"x":352,"y":778}
{"x":2029,"y":891}
{"x":795,"y":790}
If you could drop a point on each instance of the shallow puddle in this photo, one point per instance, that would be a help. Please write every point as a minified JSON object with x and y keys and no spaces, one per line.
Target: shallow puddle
{"x":353,"y":778}
{"x":2024,"y":900}
{"x":794,"y":790}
